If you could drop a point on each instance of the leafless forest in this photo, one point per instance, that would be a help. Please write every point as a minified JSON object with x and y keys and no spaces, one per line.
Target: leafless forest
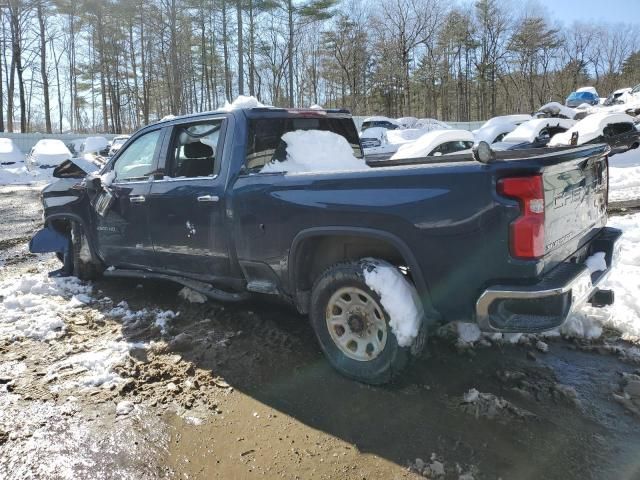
{"x":115,"y":65}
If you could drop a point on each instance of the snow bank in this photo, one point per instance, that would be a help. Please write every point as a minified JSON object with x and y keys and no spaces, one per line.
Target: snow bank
{"x":589,"y":128}
{"x":242,"y":101}
{"x":399,"y":298}
{"x":424,"y":145}
{"x":624,"y":176}
{"x":316,"y":151}
{"x":529,"y":131}
{"x":19,"y":174}
{"x":9,"y":152}
{"x":33,"y":306}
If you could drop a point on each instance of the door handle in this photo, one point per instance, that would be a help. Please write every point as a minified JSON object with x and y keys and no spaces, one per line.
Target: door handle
{"x":137,"y":199}
{"x":208,"y":198}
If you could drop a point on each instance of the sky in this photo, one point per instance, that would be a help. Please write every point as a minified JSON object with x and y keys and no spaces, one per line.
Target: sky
{"x":611,"y":11}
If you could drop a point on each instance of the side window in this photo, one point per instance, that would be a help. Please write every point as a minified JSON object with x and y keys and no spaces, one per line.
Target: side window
{"x":265,"y":144}
{"x":136,"y":162}
{"x":620,"y":128}
{"x":194,"y":149}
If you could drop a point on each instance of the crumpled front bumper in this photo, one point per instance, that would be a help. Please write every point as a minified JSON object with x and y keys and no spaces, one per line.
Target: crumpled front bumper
{"x":547,"y":304}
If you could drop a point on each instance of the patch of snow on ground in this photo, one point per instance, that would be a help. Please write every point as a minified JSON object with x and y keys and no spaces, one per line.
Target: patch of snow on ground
{"x":32,"y":306}
{"x":468,"y":332}
{"x":191,"y":295}
{"x":398,"y":297}
{"x":19,"y":174}
{"x":316,"y":151}
{"x":624,"y":176}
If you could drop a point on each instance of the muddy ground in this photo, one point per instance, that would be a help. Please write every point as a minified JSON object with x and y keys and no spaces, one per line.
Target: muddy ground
{"x":243,"y":391}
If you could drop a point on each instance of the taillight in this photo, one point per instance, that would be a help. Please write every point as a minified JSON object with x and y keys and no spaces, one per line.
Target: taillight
{"x":526,"y":236}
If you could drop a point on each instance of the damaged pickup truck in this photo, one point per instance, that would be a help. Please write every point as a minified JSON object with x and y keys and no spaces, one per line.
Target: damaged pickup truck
{"x":376,"y":256}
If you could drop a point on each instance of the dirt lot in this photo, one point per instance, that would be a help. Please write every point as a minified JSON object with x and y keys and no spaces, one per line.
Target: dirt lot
{"x":163,"y":388}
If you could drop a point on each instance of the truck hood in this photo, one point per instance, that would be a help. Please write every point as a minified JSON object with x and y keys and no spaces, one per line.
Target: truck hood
{"x":78,"y":167}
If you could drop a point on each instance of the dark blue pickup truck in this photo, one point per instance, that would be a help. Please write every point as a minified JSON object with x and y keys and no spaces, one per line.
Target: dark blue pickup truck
{"x":500,"y":239}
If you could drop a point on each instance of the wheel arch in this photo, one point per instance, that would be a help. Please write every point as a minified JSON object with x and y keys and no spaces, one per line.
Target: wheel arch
{"x":335,"y":245}
{"x":58,"y":222}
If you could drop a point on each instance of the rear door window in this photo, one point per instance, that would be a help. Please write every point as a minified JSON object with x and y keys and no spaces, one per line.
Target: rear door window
{"x":265,"y":144}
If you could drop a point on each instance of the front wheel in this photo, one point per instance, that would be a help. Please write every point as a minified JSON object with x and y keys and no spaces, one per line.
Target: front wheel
{"x":353,"y":326}
{"x":85,"y":267}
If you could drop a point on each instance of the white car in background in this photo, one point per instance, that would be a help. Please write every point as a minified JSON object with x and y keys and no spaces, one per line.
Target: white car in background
{"x":535,"y":133}
{"x":495,"y":129}
{"x":436,"y":143}
{"x":429,"y":124}
{"x":9,"y":152}
{"x":48,"y":153}
{"x":117,"y":143}
{"x":93,"y":145}
{"x":407,"y":122}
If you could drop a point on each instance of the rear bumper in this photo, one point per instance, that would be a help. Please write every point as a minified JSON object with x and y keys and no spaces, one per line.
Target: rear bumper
{"x":547,"y":304}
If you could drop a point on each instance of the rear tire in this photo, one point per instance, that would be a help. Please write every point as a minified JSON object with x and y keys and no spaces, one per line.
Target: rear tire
{"x":352,"y":327}
{"x":85,"y":267}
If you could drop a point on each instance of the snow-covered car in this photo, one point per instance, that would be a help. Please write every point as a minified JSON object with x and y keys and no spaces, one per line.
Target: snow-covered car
{"x":374,"y":141}
{"x":555,"y":110}
{"x":117,"y":143}
{"x":431,"y":124}
{"x":582,"y":95}
{"x":496,"y":128}
{"x":407,"y":122}
{"x":94,"y":145}
{"x":618,"y":130}
{"x":436,"y":143}
{"x":47,"y":153}
{"x":379,"y":121}
{"x":535,"y":133}
{"x":9,"y":152}
{"x":75,"y":145}
{"x":617,"y":97}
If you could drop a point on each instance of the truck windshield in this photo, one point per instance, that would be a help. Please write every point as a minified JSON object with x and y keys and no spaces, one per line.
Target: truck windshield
{"x":265,"y":136}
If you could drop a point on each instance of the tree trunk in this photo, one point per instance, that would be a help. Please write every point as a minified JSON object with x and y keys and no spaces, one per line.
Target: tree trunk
{"x":240,"y":49}
{"x":290,"y":51}
{"x":43,"y":68}
{"x":225,"y":51}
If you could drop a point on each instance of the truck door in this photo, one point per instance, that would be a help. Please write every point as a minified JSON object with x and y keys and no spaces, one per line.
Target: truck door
{"x":186,"y":207}
{"x":121,"y":209}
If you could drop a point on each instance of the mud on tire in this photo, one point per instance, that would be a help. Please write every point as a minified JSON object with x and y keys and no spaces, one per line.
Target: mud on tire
{"x":85,"y":267}
{"x":388,"y":359}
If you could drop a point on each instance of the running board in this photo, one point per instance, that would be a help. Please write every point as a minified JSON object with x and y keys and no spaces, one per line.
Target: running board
{"x":200,"y":287}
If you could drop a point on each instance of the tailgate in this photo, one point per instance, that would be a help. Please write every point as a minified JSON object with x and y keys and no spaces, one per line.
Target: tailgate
{"x":575,"y":194}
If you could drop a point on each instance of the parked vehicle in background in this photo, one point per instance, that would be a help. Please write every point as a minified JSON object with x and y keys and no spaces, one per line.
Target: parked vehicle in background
{"x":280,"y":202}
{"x":495,"y":129}
{"x":407,"y":122}
{"x":617,"y":97}
{"x":117,"y":143}
{"x":435,"y":144}
{"x":582,"y":95}
{"x":9,"y":152}
{"x":94,"y":145}
{"x":75,"y":145}
{"x":48,"y":153}
{"x":618,"y":130}
{"x":555,"y":110}
{"x":382,"y":122}
{"x":535,"y":133}
{"x":431,"y":124}
{"x":374,"y":141}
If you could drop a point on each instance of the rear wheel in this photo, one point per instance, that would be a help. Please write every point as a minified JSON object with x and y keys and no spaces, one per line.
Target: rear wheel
{"x":85,"y":267}
{"x":352,"y":326}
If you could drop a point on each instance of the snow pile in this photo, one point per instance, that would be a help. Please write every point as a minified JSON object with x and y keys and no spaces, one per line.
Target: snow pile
{"x":19,"y":174}
{"x":589,"y":128}
{"x":529,"y":131}
{"x":191,"y":295}
{"x":33,"y":306}
{"x":95,"y":365}
{"x":490,"y":406}
{"x":49,"y":152}
{"x":468,"y":333}
{"x":316,"y":151}
{"x":9,"y":152}
{"x":425,"y":145}
{"x":624,"y":176}
{"x":399,"y":298}
{"x":242,"y":101}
